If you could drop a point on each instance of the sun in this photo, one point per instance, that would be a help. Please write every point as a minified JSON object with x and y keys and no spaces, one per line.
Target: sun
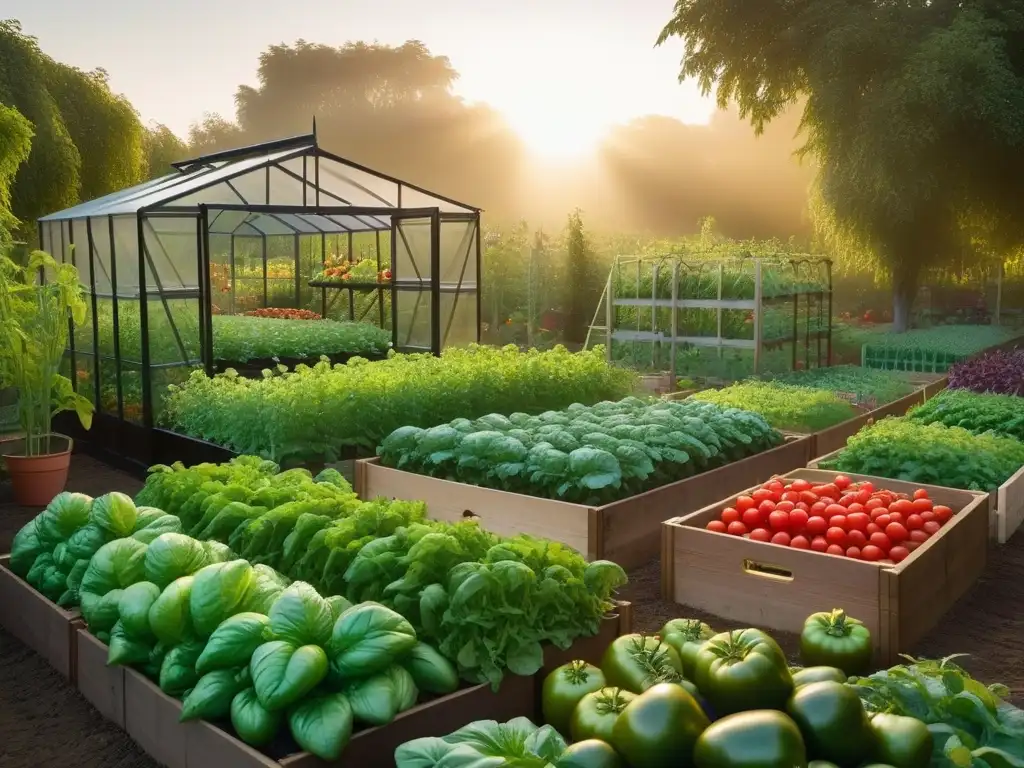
{"x":562,"y":134}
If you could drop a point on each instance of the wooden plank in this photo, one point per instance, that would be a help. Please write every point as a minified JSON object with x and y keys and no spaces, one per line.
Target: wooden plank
{"x":102,"y":686}
{"x":151,"y":719}
{"x":1010,"y":506}
{"x":48,"y":630}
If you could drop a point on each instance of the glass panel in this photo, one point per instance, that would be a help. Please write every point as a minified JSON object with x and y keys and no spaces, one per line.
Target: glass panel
{"x":85,"y":382}
{"x":160,"y":379}
{"x":413,"y":198}
{"x":286,"y":189}
{"x":131,"y":383}
{"x":458,"y":241}
{"x":126,"y":256}
{"x":412,"y":249}
{"x":106,"y":357}
{"x":100,"y":226}
{"x":173,"y":331}
{"x":248,"y":279}
{"x":221,"y":297}
{"x":353,"y":185}
{"x":413,"y":319}
{"x":458,"y":319}
{"x":172,"y":252}
{"x":281,"y":262}
{"x":45,"y":241}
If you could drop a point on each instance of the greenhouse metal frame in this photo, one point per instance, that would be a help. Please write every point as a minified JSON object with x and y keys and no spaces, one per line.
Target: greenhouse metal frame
{"x":145,"y":255}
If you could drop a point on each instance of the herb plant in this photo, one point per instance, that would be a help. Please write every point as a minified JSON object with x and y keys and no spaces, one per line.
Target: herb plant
{"x":784,"y":406}
{"x":977,"y":413}
{"x":868,"y":385}
{"x":240,"y":338}
{"x":315,"y":412}
{"x":934,"y":454}
{"x":999,"y":372}
{"x":932,"y":350}
{"x":593,"y":455}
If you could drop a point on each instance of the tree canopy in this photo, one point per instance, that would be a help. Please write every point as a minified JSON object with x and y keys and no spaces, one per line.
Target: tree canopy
{"x":15,"y":145}
{"x":913,"y":112}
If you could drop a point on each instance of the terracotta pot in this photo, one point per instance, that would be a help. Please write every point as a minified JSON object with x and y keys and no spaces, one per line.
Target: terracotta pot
{"x":37,"y":479}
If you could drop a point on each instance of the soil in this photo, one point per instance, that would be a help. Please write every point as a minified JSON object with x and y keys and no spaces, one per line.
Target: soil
{"x":44,"y":720}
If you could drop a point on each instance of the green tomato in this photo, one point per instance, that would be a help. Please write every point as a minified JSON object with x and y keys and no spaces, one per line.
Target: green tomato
{"x":637,"y":662}
{"x":597,"y":712}
{"x":833,"y":721}
{"x":564,"y":688}
{"x":658,"y":727}
{"x":743,"y":669}
{"x":809,"y":675}
{"x":761,"y":738}
{"x":686,"y":636}
{"x":903,"y":742}
{"x":833,"y":639}
{"x":592,"y":753}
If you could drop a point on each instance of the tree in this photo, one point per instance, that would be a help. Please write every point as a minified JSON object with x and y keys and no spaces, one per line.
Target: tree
{"x":214,"y":134}
{"x":15,"y":146}
{"x":581,"y":301}
{"x":162,"y":147}
{"x":913,"y":111}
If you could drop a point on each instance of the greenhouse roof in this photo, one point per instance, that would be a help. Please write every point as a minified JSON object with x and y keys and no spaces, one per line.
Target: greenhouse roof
{"x":289,"y":173}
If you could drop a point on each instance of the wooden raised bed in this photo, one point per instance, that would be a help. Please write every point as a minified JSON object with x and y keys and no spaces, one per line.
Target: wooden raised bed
{"x":47,"y":629}
{"x":101,"y":685}
{"x":776,"y":587}
{"x":834,"y":438}
{"x":1006,"y":506}
{"x":152,"y":718}
{"x":627,"y":532}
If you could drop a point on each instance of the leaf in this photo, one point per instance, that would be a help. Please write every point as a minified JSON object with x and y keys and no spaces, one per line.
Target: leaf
{"x":233,"y":642}
{"x":301,"y":616}
{"x":367,"y":638}
{"x":322,"y":725}
{"x":283,"y":673}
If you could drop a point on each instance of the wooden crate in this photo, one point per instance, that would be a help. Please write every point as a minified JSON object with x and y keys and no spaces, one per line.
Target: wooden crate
{"x":38,"y":623}
{"x":775,"y":587}
{"x":1006,"y":507}
{"x":102,"y":686}
{"x":626,"y":532}
{"x":834,"y":438}
{"x":152,"y":717}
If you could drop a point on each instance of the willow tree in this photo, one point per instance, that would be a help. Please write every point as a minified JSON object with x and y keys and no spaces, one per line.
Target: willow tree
{"x":913,"y":113}
{"x":15,"y":145}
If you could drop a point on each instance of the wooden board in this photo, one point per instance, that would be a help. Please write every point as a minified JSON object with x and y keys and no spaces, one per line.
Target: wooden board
{"x":777,"y":587}
{"x":102,"y":686}
{"x":626,"y":531}
{"x":38,"y":623}
{"x":834,"y":438}
{"x":1006,"y":510}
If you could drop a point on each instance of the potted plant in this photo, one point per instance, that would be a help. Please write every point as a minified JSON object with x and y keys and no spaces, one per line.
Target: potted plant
{"x":34,"y":325}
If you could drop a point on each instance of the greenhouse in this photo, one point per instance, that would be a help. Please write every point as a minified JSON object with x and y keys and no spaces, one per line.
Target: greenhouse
{"x":194,"y":269}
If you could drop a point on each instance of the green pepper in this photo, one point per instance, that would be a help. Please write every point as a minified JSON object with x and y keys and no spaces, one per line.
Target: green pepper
{"x":833,"y":639}
{"x":903,"y":742}
{"x":597,"y":712}
{"x":743,"y":669}
{"x":564,"y":688}
{"x":658,"y":727}
{"x":686,"y":636}
{"x":637,"y":662}
{"x":833,"y":722}
{"x":761,"y":738}
{"x":809,"y":675}
{"x":592,"y":753}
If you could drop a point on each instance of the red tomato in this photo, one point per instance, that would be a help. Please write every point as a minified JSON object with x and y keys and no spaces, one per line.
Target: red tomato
{"x":766,"y":507}
{"x":834,"y":509}
{"x":873,"y":528}
{"x":848,"y":499}
{"x":871,"y":553}
{"x":921,"y":505}
{"x":785,"y":506}
{"x":737,"y":528}
{"x":863,"y":497}
{"x":808,"y":497}
{"x":920,"y":493}
{"x":760,"y":534}
{"x":803,"y":505}
{"x":931,"y":527}
{"x":919,"y":536}
{"x":744,"y":502}
{"x":856,"y":538}
{"x":926,"y":516}
{"x":730,"y":515}
{"x":800,"y":542}
{"x":867,"y":486}
{"x":835,"y":535}
{"x":914,"y":521}
{"x":881,"y":541}
{"x":853,"y":553}
{"x":779,"y":521}
{"x":858,"y":521}
{"x":818,"y":508}
{"x":895,"y":517}
{"x":781,"y":538}
{"x":856,"y":508}
{"x":751,"y":517}
{"x":837,"y":521}
{"x":761,"y":494}
{"x":942,"y":514}
{"x":717,"y":526}
{"x":799,"y":485}
{"x":816,"y":526}
{"x":903,"y":506}
{"x":898,"y":553}
{"x":911,"y":545}
{"x":826,"y":490}
{"x":835,"y":549}
{"x":798,"y":519}
{"x":819,"y":544}
{"x":871,"y":504}
{"x":792,"y":496}
{"x":882,"y":520}
{"x":842,"y":481}
{"x":896,"y":532}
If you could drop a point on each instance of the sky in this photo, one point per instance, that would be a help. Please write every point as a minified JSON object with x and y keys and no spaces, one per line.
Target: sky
{"x":561,"y":71}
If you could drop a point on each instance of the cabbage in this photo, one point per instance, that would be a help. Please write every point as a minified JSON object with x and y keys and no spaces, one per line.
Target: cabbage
{"x":65,"y":514}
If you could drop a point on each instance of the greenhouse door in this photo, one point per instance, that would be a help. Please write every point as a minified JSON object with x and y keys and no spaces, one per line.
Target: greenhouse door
{"x":415,"y":305}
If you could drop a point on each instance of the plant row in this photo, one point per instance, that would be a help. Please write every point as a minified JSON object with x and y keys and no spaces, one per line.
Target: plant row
{"x":998,"y":372}
{"x":977,"y":413}
{"x":932,"y":349}
{"x":784,"y":406}
{"x":316,"y":412}
{"x":588,"y":455}
{"x":691,"y":696}
{"x":869,"y":386}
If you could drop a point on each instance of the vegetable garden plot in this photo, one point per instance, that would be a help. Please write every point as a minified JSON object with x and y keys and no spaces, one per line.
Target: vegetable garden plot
{"x":769,"y":585}
{"x":835,"y":437}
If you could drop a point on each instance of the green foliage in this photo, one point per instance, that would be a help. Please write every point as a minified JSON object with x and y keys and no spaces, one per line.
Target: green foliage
{"x":868,"y":385}
{"x":931,"y":350}
{"x":34,"y":319}
{"x":585,"y":455}
{"x":240,"y":338}
{"x":15,"y":144}
{"x":934,"y":454}
{"x":162,"y":147}
{"x":317,"y":411}
{"x":784,"y":406}
{"x":977,"y":413}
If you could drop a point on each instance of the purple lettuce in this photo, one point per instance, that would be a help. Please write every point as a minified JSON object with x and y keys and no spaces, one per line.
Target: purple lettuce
{"x":999,"y":372}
